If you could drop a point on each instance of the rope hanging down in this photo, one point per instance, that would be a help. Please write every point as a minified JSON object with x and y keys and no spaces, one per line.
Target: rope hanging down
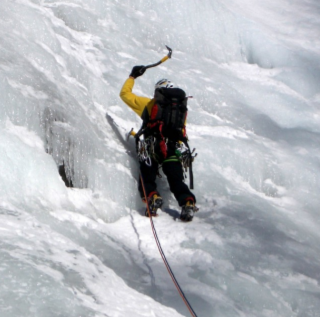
{"x":192,"y":312}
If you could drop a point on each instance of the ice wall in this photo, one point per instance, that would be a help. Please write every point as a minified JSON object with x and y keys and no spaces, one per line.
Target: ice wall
{"x":253,"y":69}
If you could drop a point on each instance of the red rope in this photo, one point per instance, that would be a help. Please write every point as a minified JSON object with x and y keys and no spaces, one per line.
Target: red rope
{"x":192,"y":312}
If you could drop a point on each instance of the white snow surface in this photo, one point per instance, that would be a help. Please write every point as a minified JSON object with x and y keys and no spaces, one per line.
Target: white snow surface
{"x":253,"y":68}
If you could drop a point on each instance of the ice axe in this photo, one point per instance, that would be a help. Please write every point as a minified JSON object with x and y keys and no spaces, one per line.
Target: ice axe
{"x":131,"y":133}
{"x":160,"y":62}
{"x":142,"y":70}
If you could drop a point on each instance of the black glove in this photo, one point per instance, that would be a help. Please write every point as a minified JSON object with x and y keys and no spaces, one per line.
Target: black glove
{"x":137,"y":71}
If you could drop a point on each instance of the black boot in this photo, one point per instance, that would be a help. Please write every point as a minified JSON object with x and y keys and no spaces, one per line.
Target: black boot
{"x":155,"y":203}
{"x":187,"y":211}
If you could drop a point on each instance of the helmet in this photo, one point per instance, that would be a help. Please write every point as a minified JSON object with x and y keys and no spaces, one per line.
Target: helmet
{"x":164,"y":83}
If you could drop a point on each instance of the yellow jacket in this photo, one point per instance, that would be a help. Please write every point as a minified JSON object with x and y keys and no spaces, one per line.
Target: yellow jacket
{"x":136,"y":103}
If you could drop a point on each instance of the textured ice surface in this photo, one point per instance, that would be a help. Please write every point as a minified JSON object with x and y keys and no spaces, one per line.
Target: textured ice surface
{"x":253,"y":70}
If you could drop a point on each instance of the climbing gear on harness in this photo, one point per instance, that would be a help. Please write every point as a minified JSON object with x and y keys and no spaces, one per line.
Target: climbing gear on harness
{"x":145,"y":149}
{"x":183,"y":153}
{"x":186,"y":157}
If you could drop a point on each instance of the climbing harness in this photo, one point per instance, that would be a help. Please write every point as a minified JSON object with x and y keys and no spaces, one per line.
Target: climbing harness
{"x":146,"y":152}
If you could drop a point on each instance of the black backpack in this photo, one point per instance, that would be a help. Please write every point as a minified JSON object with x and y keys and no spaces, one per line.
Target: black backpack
{"x":168,"y":114}
{"x":167,"y":121}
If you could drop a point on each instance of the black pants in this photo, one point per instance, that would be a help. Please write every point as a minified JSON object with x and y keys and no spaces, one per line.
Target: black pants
{"x":174,"y":172}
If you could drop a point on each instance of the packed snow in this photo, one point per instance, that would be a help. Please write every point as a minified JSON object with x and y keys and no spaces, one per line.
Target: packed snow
{"x":253,"y":69}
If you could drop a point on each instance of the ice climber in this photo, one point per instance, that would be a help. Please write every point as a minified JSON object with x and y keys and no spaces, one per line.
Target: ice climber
{"x":164,"y":142}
